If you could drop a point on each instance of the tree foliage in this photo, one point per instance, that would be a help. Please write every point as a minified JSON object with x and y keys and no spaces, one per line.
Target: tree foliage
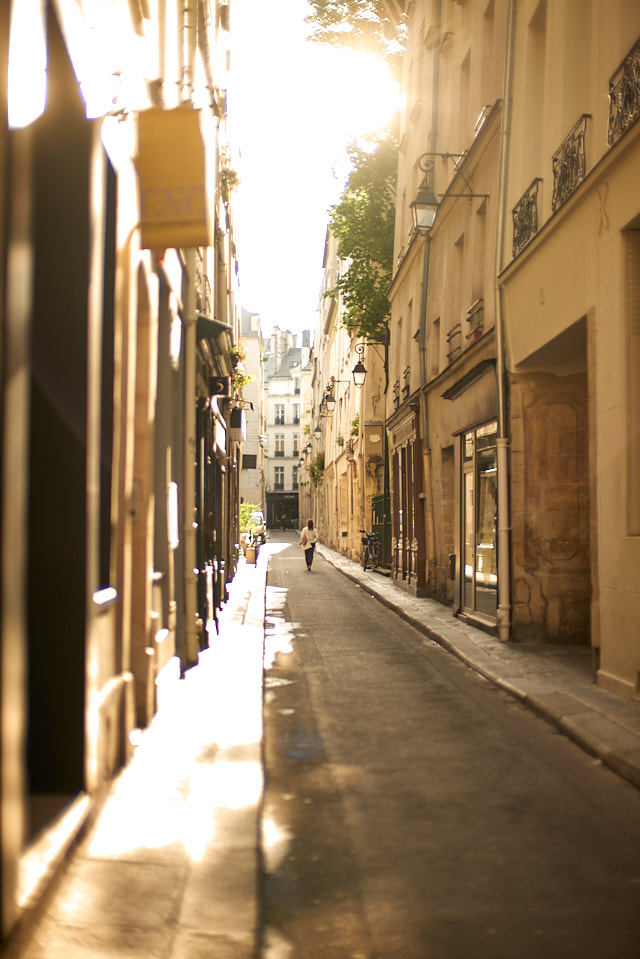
{"x":363,"y":223}
{"x":367,"y":26}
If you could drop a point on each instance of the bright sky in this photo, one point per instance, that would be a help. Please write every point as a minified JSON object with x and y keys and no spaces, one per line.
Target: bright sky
{"x":293,"y":106}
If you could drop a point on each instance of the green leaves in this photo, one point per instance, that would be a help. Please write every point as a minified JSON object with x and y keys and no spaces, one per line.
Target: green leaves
{"x":366,"y":26}
{"x":363,"y":223}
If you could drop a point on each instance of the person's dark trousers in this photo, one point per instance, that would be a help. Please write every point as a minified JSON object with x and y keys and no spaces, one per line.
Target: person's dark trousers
{"x":308,"y":555}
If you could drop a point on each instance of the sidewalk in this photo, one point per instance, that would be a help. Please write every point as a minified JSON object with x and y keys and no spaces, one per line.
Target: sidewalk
{"x":554,"y":681}
{"x":170,"y":867}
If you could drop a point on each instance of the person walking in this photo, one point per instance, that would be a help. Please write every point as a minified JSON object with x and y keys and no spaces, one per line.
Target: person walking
{"x":308,"y":539}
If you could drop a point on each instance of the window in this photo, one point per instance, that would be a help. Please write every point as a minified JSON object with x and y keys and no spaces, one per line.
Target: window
{"x":633,"y":376}
{"x":534,"y":72}
{"x":296,"y":413}
{"x":249,"y":461}
{"x":435,"y":348}
{"x":279,"y":444}
{"x":295,"y":477}
{"x":478,"y":527}
{"x":278,"y":477}
{"x":296,"y":444}
{"x":279,"y":414}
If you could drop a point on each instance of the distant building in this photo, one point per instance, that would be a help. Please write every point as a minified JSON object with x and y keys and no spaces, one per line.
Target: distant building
{"x":284,"y":363}
{"x":252,"y":475}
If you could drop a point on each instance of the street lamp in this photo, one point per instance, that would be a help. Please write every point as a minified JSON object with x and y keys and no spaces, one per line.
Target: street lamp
{"x":359,"y":371}
{"x":424,"y":208}
{"x":318,"y":432}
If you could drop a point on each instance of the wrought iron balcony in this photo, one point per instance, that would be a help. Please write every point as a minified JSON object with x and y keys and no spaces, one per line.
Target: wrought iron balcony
{"x":204,"y":302}
{"x":525,"y":218}
{"x":475,"y":319}
{"x":624,"y":95}
{"x":569,"y":163}
{"x":454,"y":342}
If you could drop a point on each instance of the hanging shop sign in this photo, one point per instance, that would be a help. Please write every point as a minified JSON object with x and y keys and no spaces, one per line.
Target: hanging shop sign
{"x":172,"y":180}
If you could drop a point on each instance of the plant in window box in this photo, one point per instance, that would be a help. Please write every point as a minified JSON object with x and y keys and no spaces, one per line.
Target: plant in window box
{"x":355,"y":425}
{"x":340,"y":439}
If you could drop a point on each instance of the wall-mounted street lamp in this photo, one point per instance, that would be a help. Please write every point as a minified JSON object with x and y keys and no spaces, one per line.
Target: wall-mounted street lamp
{"x":308,"y":448}
{"x":318,"y":431}
{"x":329,"y":398}
{"x":359,"y":371}
{"x":425,"y":206}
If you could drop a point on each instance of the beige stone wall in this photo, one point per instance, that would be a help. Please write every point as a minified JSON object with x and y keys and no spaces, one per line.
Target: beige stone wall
{"x":550,"y":508}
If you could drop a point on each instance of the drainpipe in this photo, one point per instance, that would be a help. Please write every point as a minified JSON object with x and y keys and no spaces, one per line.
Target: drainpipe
{"x":422,"y":340}
{"x":433,"y":139}
{"x":191,"y":644}
{"x":502,"y":443}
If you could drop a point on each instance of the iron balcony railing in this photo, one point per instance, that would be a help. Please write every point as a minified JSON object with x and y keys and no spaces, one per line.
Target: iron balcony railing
{"x":454,"y":342}
{"x":525,"y":217}
{"x":569,"y":163}
{"x":624,"y":95}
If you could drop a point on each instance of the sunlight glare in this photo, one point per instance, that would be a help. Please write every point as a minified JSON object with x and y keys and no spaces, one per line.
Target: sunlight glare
{"x":27,"y":70}
{"x":370,"y":95}
{"x":37,"y":861}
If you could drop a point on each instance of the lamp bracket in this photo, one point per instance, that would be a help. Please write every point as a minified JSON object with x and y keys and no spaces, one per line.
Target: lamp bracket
{"x":426,"y":164}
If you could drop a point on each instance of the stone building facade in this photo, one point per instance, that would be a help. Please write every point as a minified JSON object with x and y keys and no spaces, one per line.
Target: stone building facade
{"x":512,"y":410}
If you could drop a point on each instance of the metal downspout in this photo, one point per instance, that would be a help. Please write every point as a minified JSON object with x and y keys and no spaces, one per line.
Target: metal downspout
{"x":502,"y":443}
{"x":433,"y":137}
{"x":191,"y":643}
{"x":191,"y":640}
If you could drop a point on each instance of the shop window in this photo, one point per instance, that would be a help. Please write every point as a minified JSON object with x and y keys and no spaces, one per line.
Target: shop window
{"x":479,"y":520}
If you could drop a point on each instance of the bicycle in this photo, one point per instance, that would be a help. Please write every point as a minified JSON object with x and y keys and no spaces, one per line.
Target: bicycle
{"x":372,"y":553}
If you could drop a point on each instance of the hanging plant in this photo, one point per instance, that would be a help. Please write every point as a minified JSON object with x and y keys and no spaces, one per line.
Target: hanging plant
{"x":237,"y":355}
{"x":241,"y":378}
{"x":229,"y":181}
{"x":316,"y":468}
{"x":355,"y":425}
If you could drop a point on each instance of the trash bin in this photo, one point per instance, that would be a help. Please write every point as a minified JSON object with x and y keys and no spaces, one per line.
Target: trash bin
{"x":250,"y":554}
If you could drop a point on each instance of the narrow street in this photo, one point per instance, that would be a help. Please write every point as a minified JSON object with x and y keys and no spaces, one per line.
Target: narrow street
{"x":412,"y":809}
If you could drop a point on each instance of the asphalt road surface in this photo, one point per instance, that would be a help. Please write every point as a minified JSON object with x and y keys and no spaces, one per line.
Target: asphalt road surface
{"x":413,"y":810}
